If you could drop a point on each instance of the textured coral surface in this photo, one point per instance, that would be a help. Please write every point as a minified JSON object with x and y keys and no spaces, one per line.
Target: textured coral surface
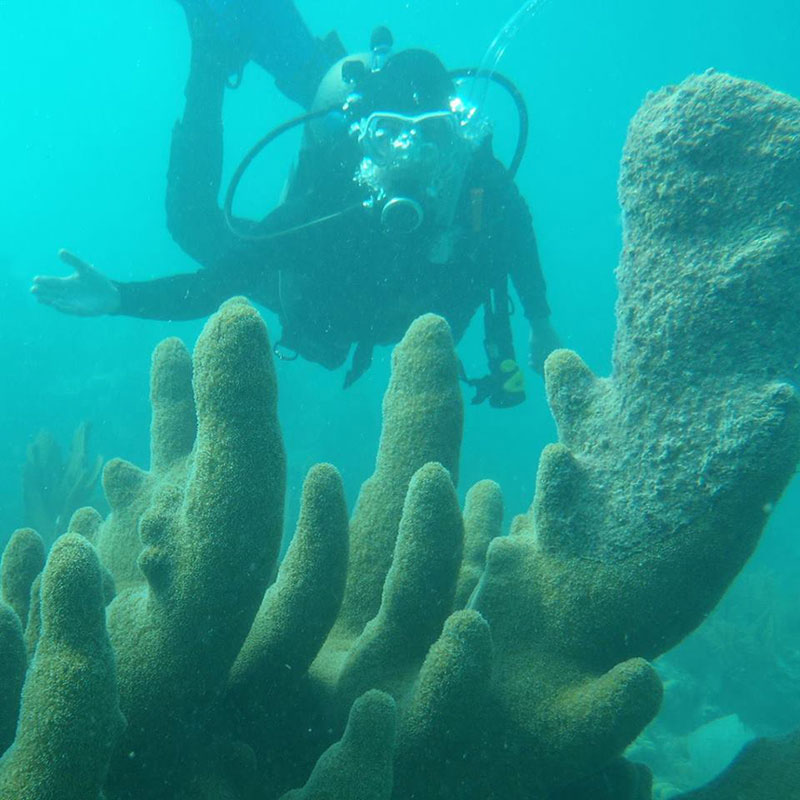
{"x":413,"y":650}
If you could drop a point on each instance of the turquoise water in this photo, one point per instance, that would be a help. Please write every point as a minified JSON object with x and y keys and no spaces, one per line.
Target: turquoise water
{"x":91,"y":91}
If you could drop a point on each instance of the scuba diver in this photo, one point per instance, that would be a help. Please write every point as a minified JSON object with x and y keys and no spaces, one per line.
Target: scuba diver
{"x":396,"y":207}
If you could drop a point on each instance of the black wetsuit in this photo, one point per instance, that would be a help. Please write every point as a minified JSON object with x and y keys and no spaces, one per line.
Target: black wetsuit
{"x":340,"y":282}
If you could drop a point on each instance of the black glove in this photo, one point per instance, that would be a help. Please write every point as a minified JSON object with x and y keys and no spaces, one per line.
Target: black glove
{"x":504,"y":386}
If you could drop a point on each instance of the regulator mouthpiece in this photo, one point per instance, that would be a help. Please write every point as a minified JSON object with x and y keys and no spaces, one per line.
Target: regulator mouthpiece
{"x":401,"y":215}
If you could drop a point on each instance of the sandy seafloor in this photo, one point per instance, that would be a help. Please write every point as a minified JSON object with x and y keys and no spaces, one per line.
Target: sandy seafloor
{"x":90,"y":94}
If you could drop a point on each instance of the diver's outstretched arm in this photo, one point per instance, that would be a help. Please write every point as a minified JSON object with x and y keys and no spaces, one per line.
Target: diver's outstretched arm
{"x":87,"y":292}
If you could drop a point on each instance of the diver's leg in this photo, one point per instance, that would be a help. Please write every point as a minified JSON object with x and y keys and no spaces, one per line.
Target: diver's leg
{"x":195,"y":168}
{"x":273,"y":34}
{"x":284,"y":46}
{"x":225,"y":28}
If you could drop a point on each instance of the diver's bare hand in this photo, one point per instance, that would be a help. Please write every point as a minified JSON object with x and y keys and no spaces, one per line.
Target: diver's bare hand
{"x":85,"y":293}
{"x":543,"y":341}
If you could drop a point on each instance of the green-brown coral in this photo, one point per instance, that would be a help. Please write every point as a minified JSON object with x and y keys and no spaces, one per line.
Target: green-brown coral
{"x":414,"y":651}
{"x":22,"y":561}
{"x":69,"y":718}
{"x":209,"y":516}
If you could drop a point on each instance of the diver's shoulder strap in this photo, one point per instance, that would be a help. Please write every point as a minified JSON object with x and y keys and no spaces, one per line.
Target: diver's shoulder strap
{"x":504,"y":386}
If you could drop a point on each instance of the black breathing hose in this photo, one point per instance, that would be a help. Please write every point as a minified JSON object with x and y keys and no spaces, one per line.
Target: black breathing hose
{"x":248,"y":159}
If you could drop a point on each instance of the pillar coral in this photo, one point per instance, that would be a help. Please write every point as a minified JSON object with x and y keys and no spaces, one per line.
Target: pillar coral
{"x":208,"y":518}
{"x":23,"y":559}
{"x":470,"y":666}
{"x":69,"y":718}
{"x":665,"y":473}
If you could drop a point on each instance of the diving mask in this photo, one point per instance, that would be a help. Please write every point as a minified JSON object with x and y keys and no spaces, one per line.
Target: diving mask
{"x":387,"y":137}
